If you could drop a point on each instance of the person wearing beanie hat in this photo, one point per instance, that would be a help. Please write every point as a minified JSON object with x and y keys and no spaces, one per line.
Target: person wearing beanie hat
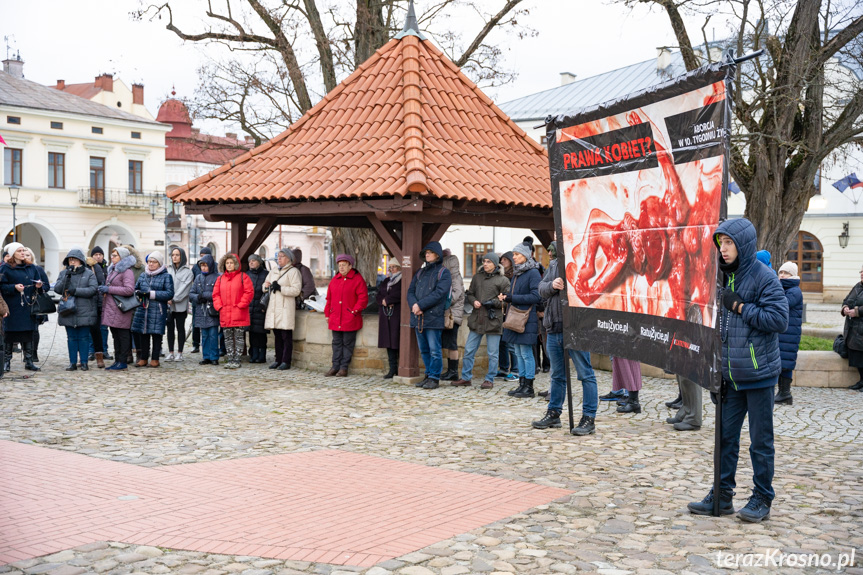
{"x":486,"y":319}
{"x":427,"y":299}
{"x":96,"y":250}
{"x":20,"y":281}
{"x":789,"y":340}
{"x":449,"y":336}
{"x":347,"y":297}
{"x":507,"y":363}
{"x":523,"y":295}
{"x":257,"y":313}
{"x":178,"y":306}
{"x":154,"y":289}
{"x":284,"y":285}
{"x":389,"y":300}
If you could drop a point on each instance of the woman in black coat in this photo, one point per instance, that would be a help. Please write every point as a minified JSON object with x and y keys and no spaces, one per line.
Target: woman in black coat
{"x":20,"y":283}
{"x":852,"y":309}
{"x":79,"y":282}
{"x":389,"y":298}
{"x":257,"y":313}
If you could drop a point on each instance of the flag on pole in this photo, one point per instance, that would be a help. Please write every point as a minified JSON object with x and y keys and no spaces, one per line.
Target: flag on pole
{"x":851,"y":180}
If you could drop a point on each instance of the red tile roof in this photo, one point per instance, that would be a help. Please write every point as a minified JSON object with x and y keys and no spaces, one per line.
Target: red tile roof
{"x":184,"y":144}
{"x":407,"y":120}
{"x":86,"y":91}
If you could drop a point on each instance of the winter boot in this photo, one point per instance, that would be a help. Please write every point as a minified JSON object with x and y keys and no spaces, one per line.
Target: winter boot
{"x":705,"y":506}
{"x":783,"y":396}
{"x":100,"y":359}
{"x":756,"y":510}
{"x":631,"y":405}
{"x":393,"y":357}
{"x":518,"y":389}
{"x":28,"y":356}
{"x":551,"y":419}
{"x":527,"y":391}
{"x":7,"y":360}
{"x":585,"y":426}
{"x":451,"y":373}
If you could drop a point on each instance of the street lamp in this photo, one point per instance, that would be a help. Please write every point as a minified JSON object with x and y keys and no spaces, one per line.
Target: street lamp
{"x":843,"y":237}
{"x":13,"y":197}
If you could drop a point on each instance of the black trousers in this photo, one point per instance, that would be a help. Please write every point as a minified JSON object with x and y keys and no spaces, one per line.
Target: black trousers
{"x":122,"y":343}
{"x":284,"y":345}
{"x":343,"y":348}
{"x":144,"y":350}
{"x":257,"y":340}
{"x":96,"y":336}
{"x":177,"y":319}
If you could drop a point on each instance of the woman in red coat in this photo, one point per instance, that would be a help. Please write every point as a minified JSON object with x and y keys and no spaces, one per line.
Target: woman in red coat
{"x":347,"y":297}
{"x":232,"y":296}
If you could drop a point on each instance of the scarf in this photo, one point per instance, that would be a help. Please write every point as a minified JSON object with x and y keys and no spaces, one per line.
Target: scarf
{"x":530,"y":264}
{"x":155,"y":273}
{"x":395,"y":278}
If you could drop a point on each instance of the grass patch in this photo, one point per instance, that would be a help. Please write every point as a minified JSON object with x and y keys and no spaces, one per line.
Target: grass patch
{"x":812,"y":343}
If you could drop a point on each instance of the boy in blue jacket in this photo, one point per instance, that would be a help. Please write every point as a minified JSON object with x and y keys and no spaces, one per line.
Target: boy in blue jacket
{"x":756,"y":312}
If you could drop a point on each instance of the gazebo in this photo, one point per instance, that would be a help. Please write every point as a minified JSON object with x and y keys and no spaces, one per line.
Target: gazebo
{"x":406,"y":145}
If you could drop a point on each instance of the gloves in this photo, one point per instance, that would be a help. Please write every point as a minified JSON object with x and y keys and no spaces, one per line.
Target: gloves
{"x":141,"y":294}
{"x":275,"y":286}
{"x":103,"y":289}
{"x":731,"y":300}
{"x":71,"y":291}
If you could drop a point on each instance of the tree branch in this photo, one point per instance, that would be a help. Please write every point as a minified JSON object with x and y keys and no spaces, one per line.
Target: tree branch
{"x":489,"y":26}
{"x":840,"y":40}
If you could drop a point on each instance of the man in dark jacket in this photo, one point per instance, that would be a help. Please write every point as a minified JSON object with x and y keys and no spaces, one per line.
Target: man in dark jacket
{"x":755,"y":313}
{"x":486,"y":318}
{"x":550,"y":288}
{"x":427,"y":298}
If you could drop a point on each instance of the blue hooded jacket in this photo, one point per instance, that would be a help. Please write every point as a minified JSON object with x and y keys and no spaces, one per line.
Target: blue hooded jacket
{"x":789,"y":340}
{"x":202,"y":292}
{"x":764,"y":257}
{"x":750,"y":340}
{"x":429,"y":288}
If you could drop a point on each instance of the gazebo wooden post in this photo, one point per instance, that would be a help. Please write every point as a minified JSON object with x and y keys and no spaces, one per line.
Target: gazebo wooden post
{"x":408,"y":351}
{"x":239,"y":233}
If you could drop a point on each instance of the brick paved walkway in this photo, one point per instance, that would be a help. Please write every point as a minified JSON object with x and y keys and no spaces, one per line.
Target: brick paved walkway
{"x":325,"y":506}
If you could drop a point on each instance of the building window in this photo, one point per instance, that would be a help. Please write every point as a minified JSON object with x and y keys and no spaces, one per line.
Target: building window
{"x":136,"y":175}
{"x":543,"y":140}
{"x":13,"y":120}
{"x":540,"y":254}
{"x":56,"y":125}
{"x":136,"y":135}
{"x":12,"y":166}
{"x":97,"y":130}
{"x":97,"y":180}
{"x":56,"y":170}
{"x":806,"y":251}
{"x":473,"y":257}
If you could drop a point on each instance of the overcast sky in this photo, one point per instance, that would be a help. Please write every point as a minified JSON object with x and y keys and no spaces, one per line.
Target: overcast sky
{"x":78,"y":40}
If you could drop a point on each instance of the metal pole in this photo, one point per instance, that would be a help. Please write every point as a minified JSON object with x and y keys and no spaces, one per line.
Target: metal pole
{"x":14,"y":225}
{"x":566,"y":361}
{"x":717,"y":451}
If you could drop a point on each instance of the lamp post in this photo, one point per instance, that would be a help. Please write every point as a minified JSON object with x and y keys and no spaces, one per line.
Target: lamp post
{"x":13,"y":197}
{"x":843,"y":237}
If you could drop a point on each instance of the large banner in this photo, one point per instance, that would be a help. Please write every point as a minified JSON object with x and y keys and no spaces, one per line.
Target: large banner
{"x":638,"y":187}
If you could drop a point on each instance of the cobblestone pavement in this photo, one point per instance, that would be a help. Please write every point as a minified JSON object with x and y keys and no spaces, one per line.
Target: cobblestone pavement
{"x":631,"y":481}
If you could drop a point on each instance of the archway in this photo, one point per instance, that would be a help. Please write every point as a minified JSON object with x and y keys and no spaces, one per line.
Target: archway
{"x":109,"y":235}
{"x":45,"y":243}
{"x":806,"y":251}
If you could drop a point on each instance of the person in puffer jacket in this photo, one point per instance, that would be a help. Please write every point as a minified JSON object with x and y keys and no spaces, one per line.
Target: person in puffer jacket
{"x":155,"y":288}
{"x":120,"y":282}
{"x":232,"y":296}
{"x":789,"y":340}
{"x":201,"y":297}
{"x":78,"y":282}
{"x":754,"y":312}
{"x":427,"y":298}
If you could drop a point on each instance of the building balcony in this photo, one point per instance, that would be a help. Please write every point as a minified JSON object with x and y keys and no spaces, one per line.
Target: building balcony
{"x":112,"y":198}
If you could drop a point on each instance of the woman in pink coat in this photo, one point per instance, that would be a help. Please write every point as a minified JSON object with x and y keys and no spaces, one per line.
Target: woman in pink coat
{"x":120,"y":281}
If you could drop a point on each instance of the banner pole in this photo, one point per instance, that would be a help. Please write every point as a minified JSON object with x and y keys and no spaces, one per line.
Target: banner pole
{"x":568,"y":388}
{"x":717,"y":452}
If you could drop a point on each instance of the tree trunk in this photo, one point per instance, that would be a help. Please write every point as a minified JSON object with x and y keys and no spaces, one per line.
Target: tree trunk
{"x":364,"y":246}
{"x":371,"y":32}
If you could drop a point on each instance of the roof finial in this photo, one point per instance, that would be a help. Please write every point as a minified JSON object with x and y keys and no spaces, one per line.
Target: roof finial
{"x":411,"y":28}
{"x":173,"y":91}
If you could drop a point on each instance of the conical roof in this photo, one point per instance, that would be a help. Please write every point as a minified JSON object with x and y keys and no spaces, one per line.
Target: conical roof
{"x":406,"y":121}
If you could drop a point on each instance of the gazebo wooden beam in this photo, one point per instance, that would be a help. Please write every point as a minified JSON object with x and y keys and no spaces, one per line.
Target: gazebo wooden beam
{"x":434,"y":232}
{"x":263,"y":228}
{"x":239,"y":233}
{"x":387,"y":236}
{"x":545,"y":237}
{"x":310,"y":208}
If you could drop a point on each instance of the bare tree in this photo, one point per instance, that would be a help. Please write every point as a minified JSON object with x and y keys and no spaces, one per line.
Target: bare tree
{"x":794,"y":108}
{"x":284,"y":55}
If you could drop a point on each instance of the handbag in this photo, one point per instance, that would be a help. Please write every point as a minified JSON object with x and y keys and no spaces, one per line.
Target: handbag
{"x":211,"y":309}
{"x":265,"y":302}
{"x":42,"y":304}
{"x":840,"y":347}
{"x":448,"y":319}
{"x":126,"y":303}
{"x":516,"y":319}
{"x":68,"y":306}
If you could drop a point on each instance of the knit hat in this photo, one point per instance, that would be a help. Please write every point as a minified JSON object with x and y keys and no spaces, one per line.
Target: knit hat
{"x":552,"y":249}
{"x":394,"y":262}
{"x":493,"y":257}
{"x":791,"y":268}
{"x":528,"y":241}
{"x":507,"y":256}
{"x":256,"y":258}
{"x":205,"y":251}
{"x":522,"y":249}
{"x":13,"y":247}
{"x":158,"y":256}
{"x":346,"y":258}
{"x":288,"y":254}
{"x":96,"y":250}
{"x":122,"y":252}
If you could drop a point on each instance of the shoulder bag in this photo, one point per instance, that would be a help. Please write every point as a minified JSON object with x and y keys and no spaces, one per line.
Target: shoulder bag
{"x":67,"y":306}
{"x":516,"y":319}
{"x":126,"y":303}
{"x":42,"y":304}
